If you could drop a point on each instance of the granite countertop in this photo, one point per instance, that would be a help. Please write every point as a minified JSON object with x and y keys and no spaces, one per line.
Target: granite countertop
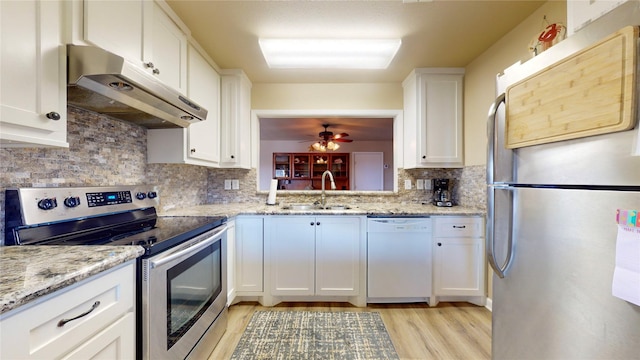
{"x":29,"y":272}
{"x":378,"y":209}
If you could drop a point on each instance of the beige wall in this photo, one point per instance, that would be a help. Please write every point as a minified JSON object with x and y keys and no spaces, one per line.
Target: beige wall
{"x":481,"y":74}
{"x":479,"y":91}
{"x":479,"y":85}
{"x":366,"y":96}
{"x":480,"y":81}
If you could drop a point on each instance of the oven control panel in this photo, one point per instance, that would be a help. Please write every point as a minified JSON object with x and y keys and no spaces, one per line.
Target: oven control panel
{"x":31,"y":206}
{"x":109,"y":198}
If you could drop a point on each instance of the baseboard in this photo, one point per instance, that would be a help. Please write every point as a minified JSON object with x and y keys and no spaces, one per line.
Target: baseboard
{"x":489,"y":304}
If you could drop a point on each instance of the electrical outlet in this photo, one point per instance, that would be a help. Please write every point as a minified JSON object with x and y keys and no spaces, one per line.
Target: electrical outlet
{"x":407,"y":184}
{"x":235,"y":184}
{"x":227,"y":184}
{"x":428,"y":184}
{"x":420,"y":184}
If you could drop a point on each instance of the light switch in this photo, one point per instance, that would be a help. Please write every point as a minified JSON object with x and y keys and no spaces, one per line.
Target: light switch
{"x":235,"y":184}
{"x":227,"y":184}
{"x":427,"y":184}
{"x":407,"y":184}
{"x":420,"y":184}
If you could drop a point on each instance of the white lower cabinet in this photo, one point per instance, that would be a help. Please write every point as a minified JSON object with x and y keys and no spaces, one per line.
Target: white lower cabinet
{"x":458,"y":258}
{"x":249,"y":255}
{"x":33,"y":331}
{"x":231,"y":261}
{"x":315,"y":256}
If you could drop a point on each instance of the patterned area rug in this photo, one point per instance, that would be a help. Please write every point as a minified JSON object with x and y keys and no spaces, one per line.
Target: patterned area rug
{"x":315,"y":335}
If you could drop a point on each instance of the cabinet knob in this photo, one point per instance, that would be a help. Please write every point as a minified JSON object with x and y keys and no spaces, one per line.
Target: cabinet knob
{"x":193,"y":150}
{"x":149,"y":65}
{"x":156,"y":71}
{"x":233,"y":156}
{"x":311,"y":223}
{"x":53,"y":115}
{"x":424,"y":156}
{"x":439,"y":244}
{"x":318,"y":223}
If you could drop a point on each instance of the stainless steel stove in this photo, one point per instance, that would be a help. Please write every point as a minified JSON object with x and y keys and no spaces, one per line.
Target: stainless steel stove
{"x":181,"y":282}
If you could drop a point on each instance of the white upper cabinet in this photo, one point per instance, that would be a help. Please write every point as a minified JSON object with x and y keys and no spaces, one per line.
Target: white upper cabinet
{"x":168,"y":50}
{"x":204,"y":89}
{"x":116,"y":26}
{"x":235,"y":120}
{"x":32,"y":75}
{"x":433,"y":118}
{"x":199,"y":144}
{"x":145,"y":32}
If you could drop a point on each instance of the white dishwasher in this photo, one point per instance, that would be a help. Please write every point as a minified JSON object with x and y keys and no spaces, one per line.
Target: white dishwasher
{"x":398,"y":259}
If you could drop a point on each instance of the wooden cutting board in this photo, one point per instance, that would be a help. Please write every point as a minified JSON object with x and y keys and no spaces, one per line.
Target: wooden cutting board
{"x":591,"y":92}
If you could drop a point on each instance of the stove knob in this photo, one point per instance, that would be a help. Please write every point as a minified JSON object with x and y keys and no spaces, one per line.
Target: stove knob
{"x":47,"y":204}
{"x":72,"y":201}
{"x":152,"y":194}
{"x":141,"y":196}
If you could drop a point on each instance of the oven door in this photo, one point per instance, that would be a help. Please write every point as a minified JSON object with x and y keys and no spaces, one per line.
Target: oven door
{"x":183,"y":294}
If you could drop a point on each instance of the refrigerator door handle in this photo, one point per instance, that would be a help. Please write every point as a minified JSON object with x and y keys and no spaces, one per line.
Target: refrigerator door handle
{"x":500,"y":270}
{"x":491,"y":136}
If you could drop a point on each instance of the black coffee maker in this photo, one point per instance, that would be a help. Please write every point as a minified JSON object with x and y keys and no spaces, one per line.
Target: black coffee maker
{"x":441,"y":193}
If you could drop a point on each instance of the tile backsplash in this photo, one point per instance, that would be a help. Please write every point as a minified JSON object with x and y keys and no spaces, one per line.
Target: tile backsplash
{"x":104,"y":151}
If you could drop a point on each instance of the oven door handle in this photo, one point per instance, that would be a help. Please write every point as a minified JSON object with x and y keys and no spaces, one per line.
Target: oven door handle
{"x":215,"y":236}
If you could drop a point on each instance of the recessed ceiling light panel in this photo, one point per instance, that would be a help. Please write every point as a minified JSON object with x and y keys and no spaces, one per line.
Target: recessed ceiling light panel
{"x":329,"y":53}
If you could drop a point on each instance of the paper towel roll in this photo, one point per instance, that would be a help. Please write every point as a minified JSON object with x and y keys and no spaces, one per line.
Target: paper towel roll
{"x":271,"y":200}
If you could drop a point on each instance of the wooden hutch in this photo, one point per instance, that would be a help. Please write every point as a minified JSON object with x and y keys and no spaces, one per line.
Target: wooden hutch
{"x":303,"y":171}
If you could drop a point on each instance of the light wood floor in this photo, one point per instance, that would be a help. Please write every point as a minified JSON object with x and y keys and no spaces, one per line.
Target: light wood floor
{"x":447,"y":331}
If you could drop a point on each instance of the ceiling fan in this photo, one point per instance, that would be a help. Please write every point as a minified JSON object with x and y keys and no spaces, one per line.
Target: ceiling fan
{"x":328,"y":141}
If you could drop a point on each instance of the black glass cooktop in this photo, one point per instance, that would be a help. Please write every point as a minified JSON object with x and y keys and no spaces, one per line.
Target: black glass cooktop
{"x":143,"y":228}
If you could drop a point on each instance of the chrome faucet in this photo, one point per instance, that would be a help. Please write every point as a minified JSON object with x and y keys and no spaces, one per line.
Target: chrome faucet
{"x":323,"y":197}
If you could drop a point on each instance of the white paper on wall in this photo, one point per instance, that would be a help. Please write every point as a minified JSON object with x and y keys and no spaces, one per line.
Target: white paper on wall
{"x":626,"y":276}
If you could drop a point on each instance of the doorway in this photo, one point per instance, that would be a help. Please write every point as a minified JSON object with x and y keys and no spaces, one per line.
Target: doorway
{"x":368,"y":174}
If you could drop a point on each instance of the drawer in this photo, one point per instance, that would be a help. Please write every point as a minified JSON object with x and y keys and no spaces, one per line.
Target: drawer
{"x":456,"y":226}
{"x":33,"y":331}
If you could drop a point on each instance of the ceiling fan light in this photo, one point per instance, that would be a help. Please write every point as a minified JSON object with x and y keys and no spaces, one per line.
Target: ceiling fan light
{"x":332,"y":146}
{"x":329,"y":53}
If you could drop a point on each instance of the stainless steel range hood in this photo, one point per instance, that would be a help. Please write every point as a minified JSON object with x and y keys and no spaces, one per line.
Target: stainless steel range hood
{"x":108,"y":84}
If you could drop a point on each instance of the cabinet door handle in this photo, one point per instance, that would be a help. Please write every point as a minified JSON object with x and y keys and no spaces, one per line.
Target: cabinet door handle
{"x":53,"y":116}
{"x":459,"y":226}
{"x":193,"y":150}
{"x":149,"y":65}
{"x":93,"y":307}
{"x":156,"y":71}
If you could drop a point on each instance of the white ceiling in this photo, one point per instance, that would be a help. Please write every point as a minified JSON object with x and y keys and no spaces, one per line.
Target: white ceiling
{"x":440,"y":33}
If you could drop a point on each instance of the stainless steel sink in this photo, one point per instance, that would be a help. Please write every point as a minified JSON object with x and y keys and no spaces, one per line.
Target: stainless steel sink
{"x":314,"y":207}
{"x":300,"y":207}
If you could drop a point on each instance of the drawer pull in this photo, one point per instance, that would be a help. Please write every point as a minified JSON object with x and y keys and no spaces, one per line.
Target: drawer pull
{"x":459,"y":227}
{"x":93,"y":307}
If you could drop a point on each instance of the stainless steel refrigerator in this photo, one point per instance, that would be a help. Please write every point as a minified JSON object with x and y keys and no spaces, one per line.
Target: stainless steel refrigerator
{"x":551,"y":232}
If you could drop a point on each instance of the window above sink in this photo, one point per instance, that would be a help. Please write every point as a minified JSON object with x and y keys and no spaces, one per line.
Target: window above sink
{"x":289,"y":132}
